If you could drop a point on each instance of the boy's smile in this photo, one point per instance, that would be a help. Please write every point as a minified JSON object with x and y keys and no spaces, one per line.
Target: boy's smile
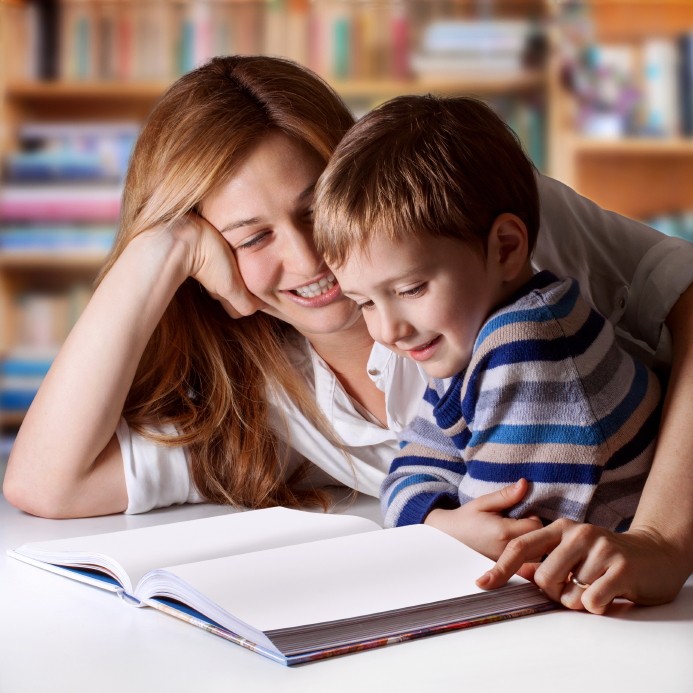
{"x":424,"y":298}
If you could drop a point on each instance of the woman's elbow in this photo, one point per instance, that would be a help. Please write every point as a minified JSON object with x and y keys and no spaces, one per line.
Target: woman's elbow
{"x":29,"y":499}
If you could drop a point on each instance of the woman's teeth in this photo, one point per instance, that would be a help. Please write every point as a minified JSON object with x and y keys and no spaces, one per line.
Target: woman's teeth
{"x":316,"y":288}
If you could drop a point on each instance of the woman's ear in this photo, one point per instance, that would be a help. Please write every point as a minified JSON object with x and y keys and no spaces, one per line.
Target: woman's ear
{"x":508,"y":248}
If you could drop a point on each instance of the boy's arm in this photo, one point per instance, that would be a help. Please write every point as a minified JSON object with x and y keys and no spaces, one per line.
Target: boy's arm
{"x":425,"y":474}
{"x":423,"y":484}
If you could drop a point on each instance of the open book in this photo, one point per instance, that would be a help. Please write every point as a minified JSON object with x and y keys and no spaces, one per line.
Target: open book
{"x":292,"y":585}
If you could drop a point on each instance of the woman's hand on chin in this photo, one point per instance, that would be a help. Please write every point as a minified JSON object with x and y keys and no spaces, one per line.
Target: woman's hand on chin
{"x":210,"y":260}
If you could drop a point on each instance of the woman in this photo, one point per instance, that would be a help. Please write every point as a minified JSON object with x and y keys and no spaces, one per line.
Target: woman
{"x":158,"y":397}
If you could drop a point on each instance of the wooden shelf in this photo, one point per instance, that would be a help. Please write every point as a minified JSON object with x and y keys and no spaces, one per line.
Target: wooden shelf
{"x":55,"y":261}
{"x":30,"y":90}
{"x":633,"y":146}
{"x":501,"y":83}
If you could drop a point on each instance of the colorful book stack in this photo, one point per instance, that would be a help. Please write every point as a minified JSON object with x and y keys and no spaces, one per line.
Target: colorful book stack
{"x":20,"y":376}
{"x":160,"y":39}
{"x":644,"y":91}
{"x":59,"y":204}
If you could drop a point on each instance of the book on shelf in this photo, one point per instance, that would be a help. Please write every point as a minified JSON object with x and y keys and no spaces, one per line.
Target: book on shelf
{"x":474,"y":47}
{"x":84,"y":151}
{"x":685,"y":82}
{"x":60,"y":202}
{"x":21,"y":374}
{"x":87,"y":40}
{"x":59,"y":239}
{"x":660,"y":90}
{"x":294,"y":586}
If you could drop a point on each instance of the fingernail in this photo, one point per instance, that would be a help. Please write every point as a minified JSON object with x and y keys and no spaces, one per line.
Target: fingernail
{"x":484,"y":579}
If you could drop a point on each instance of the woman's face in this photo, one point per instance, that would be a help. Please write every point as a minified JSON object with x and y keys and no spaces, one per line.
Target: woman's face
{"x":264,"y":211}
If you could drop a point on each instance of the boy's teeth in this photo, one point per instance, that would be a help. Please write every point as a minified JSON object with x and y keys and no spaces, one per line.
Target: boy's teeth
{"x":316,"y":288}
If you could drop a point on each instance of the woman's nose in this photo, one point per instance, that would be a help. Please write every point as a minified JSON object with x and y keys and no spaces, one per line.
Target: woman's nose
{"x":301,"y":255}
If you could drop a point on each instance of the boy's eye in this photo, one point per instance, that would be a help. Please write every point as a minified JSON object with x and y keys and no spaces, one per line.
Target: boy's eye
{"x":413,"y":292}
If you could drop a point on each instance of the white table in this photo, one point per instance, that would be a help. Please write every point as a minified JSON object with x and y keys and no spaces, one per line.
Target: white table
{"x":59,"y":636}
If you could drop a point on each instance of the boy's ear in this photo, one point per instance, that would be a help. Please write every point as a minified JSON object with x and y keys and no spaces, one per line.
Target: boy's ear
{"x":508,"y":246}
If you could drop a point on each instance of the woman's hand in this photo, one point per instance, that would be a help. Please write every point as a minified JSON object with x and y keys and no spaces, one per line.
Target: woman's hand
{"x":480,"y":525}
{"x":210,"y":260}
{"x":637,"y":565}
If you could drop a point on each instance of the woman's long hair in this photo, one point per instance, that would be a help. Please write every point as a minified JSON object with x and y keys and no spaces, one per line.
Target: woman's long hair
{"x":203,"y":371}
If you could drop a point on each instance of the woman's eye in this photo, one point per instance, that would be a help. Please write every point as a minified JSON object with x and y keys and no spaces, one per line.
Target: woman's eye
{"x":414,"y":292}
{"x":255,"y":240}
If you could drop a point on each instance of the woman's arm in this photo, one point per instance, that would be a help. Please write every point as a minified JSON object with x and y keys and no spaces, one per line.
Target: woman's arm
{"x":631,"y":273}
{"x":650,"y":563}
{"x":66,"y":460}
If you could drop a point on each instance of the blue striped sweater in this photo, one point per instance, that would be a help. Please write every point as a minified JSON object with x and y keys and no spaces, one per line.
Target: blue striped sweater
{"x":548,"y":396}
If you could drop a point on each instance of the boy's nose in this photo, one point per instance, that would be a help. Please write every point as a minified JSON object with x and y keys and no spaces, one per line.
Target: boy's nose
{"x":393,"y":328}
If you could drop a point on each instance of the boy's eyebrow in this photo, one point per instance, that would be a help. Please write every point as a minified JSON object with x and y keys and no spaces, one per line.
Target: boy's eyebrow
{"x":308,"y":192}
{"x":404,"y":275}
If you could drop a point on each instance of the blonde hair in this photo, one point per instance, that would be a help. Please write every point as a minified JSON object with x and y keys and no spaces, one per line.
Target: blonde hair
{"x":202,"y":371}
{"x":423,"y":164}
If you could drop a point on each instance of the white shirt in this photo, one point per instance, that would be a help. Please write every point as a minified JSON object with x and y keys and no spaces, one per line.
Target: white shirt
{"x":629,"y":272}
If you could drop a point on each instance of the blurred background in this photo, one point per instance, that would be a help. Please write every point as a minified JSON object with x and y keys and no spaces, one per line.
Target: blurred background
{"x":600,"y":93}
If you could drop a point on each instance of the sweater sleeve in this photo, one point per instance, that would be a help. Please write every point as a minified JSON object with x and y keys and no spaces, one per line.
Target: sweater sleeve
{"x":426,"y":472}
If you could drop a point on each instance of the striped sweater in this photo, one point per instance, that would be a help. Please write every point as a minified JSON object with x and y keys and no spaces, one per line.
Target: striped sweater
{"x":548,"y":396}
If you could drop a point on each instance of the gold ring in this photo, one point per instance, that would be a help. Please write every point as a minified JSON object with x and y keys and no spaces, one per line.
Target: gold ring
{"x":579,"y":583}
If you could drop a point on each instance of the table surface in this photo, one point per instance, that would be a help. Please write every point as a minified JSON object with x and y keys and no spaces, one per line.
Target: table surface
{"x":60,"y":636}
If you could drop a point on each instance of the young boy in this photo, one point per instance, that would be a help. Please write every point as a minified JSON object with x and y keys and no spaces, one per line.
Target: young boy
{"x":428,"y":214}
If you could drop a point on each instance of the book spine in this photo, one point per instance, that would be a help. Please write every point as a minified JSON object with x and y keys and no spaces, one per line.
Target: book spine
{"x":46,"y":38}
{"x":275,"y":34}
{"x":340,"y":32}
{"x":685,"y":82}
{"x":660,"y":93}
{"x":400,"y":42}
{"x":297,"y":30}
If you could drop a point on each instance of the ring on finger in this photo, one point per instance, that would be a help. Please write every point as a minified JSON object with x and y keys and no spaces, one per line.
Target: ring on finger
{"x":579,"y":583}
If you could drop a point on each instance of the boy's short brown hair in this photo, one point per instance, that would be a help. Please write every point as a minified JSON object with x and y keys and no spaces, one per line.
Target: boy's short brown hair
{"x":423,"y":164}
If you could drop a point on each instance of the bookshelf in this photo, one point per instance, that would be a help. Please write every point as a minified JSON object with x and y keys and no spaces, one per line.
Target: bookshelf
{"x":373,"y":52}
{"x":637,"y":172}
{"x":368,"y":50}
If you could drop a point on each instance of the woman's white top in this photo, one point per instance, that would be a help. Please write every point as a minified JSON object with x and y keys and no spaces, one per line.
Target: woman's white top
{"x":629,"y":272}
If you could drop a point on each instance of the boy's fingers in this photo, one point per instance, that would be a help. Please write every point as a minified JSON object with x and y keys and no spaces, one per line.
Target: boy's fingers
{"x":503,"y":499}
{"x":524,"y":526}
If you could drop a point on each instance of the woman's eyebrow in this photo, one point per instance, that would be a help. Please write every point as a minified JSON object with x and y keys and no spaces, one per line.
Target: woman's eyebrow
{"x":303,"y":195}
{"x":239,"y":223}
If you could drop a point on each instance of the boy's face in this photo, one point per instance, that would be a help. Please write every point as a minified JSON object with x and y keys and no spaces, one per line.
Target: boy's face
{"x":424,"y":298}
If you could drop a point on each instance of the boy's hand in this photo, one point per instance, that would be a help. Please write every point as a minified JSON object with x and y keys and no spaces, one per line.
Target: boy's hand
{"x":480,"y":525}
{"x":637,"y":565}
